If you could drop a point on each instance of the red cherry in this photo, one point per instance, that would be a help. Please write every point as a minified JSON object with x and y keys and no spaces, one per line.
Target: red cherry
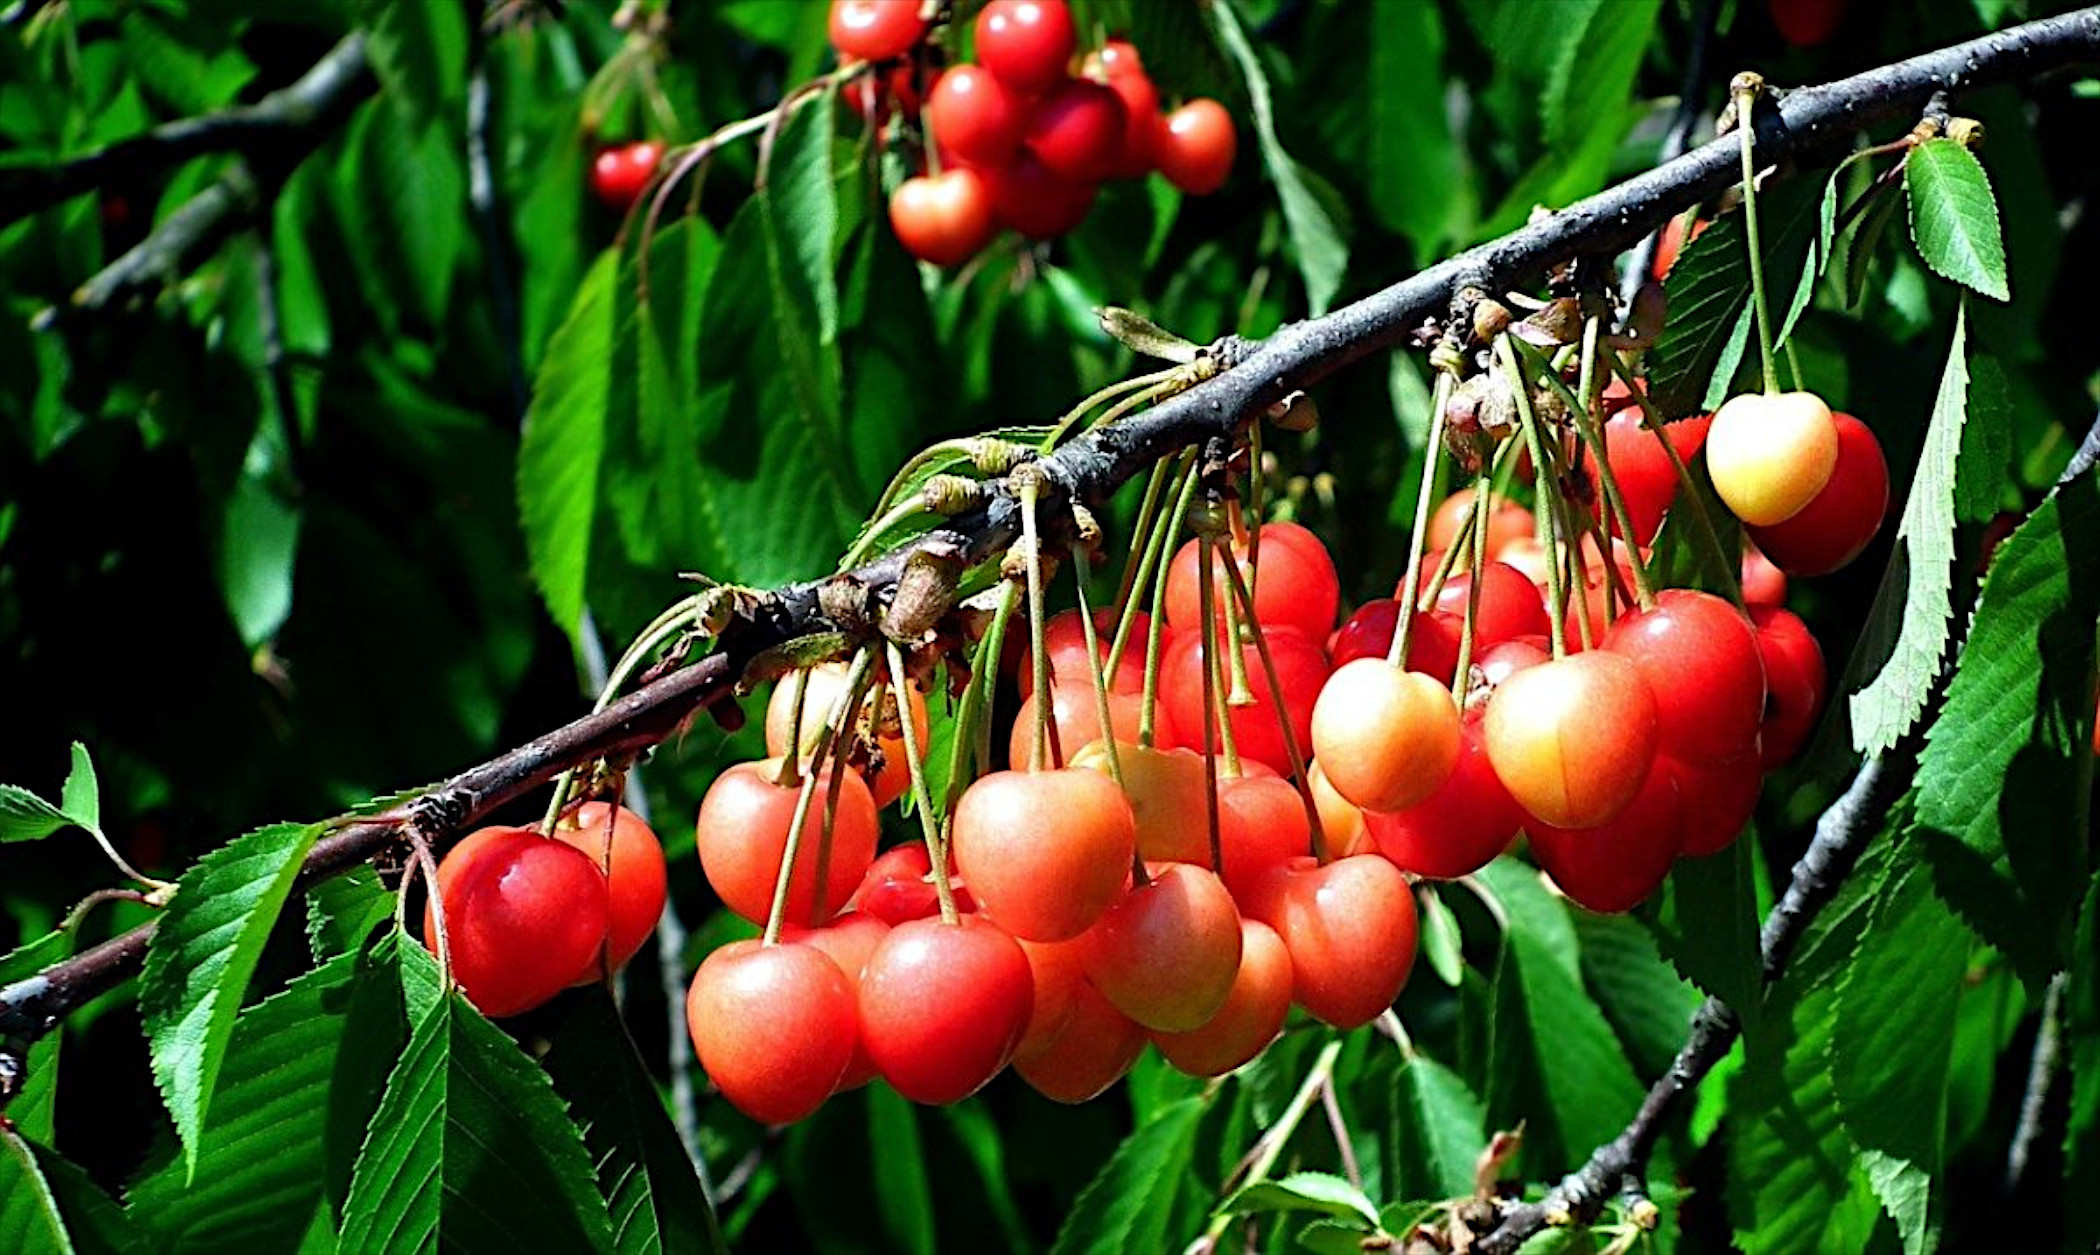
{"x":1261,"y":824}
{"x":1794,"y":680}
{"x":1763,"y":583}
{"x":1295,"y":587}
{"x":1031,"y":199}
{"x":1431,"y":651}
{"x":899,"y":887}
{"x":619,"y":173}
{"x":1197,"y":145}
{"x":1165,"y":788}
{"x":1057,"y":969}
{"x":943,"y":218}
{"x":1076,"y":131}
{"x":1343,"y":830}
{"x":1117,"y":65}
{"x":1699,"y":657}
{"x":1064,"y":641}
{"x":1350,"y":928}
{"x":1510,"y":605}
{"x":1718,"y":801}
{"x":848,"y":941}
{"x":1506,"y":521}
{"x":875,"y":30}
{"x":1573,"y":739}
{"x":1504,"y":659}
{"x":1167,"y":952}
{"x":1044,"y":852}
{"x":1769,"y":454}
{"x":773,"y":1026}
{"x":1642,"y":468}
{"x":1091,"y":1052}
{"x":1257,"y":732}
{"x":625,"y":849}
{"x":1027,"y":43}
{"x":525,"y":916}
{"x":742,"y":834}
{"x":1806,"y":23}
{"x":1461,"y":827}
{"x":974,"y":117}
{"x":942,"y":1006}
{"x":1251,"y":1017}
{"x":1617,"y":864}
{"x":1076,"y":719}
{"x":1831,"y":530}
{"x":1387,"y":738}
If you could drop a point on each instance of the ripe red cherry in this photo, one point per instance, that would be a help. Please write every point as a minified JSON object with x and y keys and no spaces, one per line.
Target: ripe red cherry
{"x":1794,"y":680}
{"x":1117,"y":64}
{"x":1510,"y":605}
{"x":1573,"y":739}
{"x":1386,"y":738}
{"x":1261,"y":824}
{"x":974,"y":118}
{"x":1831,"y":530}
{"x":1167,"y":952}
{"x":1057,"y":969}
{"x":1763,"y":583}
{"x":1617,"y":864}
{"x":1699,"y":657}
{"x":1257,"y":731}
{"x":899,"y":887}
{"x":1461,"y":827}
{"x":1075,"y":718}
{"x":943,"y":218}
{"x":525,"y":915}
{"x":773,"y":1026}
{"x":1044,"y":852}
{"x":1091,"y":1051}
{"x":1806,"y":23}
{"x":848,"y":940}
{"x":624,"y":848}
{"x":1041,"y":205}
{"x":1350,"y":929}
{"x":1506,"y":521}
{"x":1718,"y":801}
{"x":1076,"y":130}
{"x":742,"y":834}
{"x":1197,"y":145}
{"x":1253,"y":1013}
{"x":1770,"y":454}
{"x":942,"y":1006}
{"x":619,"y":173}
{"x":1431,"y":651}
{"x":1504,"y":659}
{"x":1342,"y":826}
{"x":1165,"y":788}
{"x":1026,"y":43}
{"x":1296,"y":585}
{"x":875,"y":30}
{"x":1064,"y":641}
{"x":1641,"y":466}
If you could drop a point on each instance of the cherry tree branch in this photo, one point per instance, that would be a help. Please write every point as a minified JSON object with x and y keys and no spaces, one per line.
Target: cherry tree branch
{"x":1090,"y":468}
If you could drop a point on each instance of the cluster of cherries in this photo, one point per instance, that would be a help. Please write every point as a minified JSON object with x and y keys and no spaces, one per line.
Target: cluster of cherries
{"x":1021,"y":141}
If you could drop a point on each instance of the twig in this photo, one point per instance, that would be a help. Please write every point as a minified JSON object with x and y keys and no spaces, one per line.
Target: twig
{"x":2042,"y":1067}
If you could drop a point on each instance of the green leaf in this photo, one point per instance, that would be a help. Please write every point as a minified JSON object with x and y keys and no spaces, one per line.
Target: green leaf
{"x":2081,"y":1035}
{"x":259,"y":547}
{"x":94,"y":1222}
{"x":1330,"y":1237}
{"x":802,"y":215}
{"x":1986,"y":442}
{"x":564,"y":444}
{"x":29,"y":1217}
{"x":1705,"y":922}
{"x":2004,"y":782}
{"x":402,"y":195}
{"x":1128,"y":1205}
{"x":1954,"y":217}
{"x":342,"y":911}
{"x":1915,"y":590}
{"x":1323,"y":255}
{"x":204,"y":948}
{"x":31,"y":1109}
{"x":897,"y":1159}
{"x":1442,"y":943}
{"x":979,"y":1137}
{"x":80,"y":798}
{"x":653,"y":1193}
{"x":471,"y":1150}
{"x":1437,"y":1132}
{"x":1302,"y":1191}
{"x":26,"y":817}
{"x":1416,"y":177}
{"x":1647,"y":1003}
{"x":259,"y":1156}
{"x":419,"y":53}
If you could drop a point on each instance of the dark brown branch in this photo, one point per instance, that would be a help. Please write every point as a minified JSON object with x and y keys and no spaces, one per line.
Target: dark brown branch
{"x":1095,"y":465}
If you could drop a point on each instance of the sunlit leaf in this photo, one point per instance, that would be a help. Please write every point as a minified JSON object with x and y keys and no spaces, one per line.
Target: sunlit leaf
{"x":1128,"y":1205}
{"x":1954,"y":217}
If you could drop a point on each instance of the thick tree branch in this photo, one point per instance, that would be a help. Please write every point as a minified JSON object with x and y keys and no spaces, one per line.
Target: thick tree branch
{"x":1096,"y":464}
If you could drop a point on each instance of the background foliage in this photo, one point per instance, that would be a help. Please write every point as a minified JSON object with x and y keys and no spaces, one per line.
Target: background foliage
{"x":356,"y":498}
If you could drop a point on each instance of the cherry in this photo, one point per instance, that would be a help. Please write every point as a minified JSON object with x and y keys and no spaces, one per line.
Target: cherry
{"x":1806,"y":23}
{"x":1076,"y":130}
{"x":974,"y":117}
{"x":1387,"y":738}
{"x":826,"y":683}
{"x":773,"y":1026}
{"x":1044,"y":852}
{"x":1763,"y":583}
{"x":1076,"y":718}
{"x":525,"y":916}
{"x":619,"y":173}
{"x":875,"y":30}
{"x":1641,"y":466}
{"x":1056,"y":970}
{"x":1615,"y":865}
{"x":1165,"y":789}
{"x":1261,"y":824}
{"x":942,"y":1006}
{"x":1458,"y":829}
{"x":1197,"y":145}
{"x":1700,"y":659}
{"x":1091,"y":1051}
{"x":1167,"y":953}
{"x":1432,"y":650}
{"x":1718,"y":800}
{"x":1770,"y":454}
{"x":872,"y":95}
{"x":899,"y":887}
{"x":1343,"y":830}
{"x":1794,"y":680}
{"x":1251,"y":1017}
{"x":848,"y":941}
{"x":1573,"y":739}
{"x":1506,"y":521}
{"x":1830,"y":530}
{"x":943,"y":218}
{"x":1296,"y":586}
{"x":1257,"y":732}
{"x":1064,"y":642}
{"x":1350,"y":929}
{"x":1510,"y":605}
{"x":1116,"y":63}
{"x":742,"y":835}
{"x":628,"y":853}
{"x":1030,"y":198}
{"x":1026,"y":43}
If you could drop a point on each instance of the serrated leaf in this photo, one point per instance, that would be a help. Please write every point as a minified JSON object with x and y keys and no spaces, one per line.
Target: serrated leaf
{"x":342,"y":911}
{"x":1954,"y":217}
{"x":1914,"y":594}
{"x":374,"y":1032}
{"x":1323,"y":254}
{"x":1127,"y":1206}
{"x":564,"y":444}
{"x":26,"y":817}
{"x":471,"y":1150}
{"x":802,"y":215}
{"x":1705,"y":922}
{"x":2004,"y":782}
{"x":1329,"y":1237}
{"x":1986,"y":442}
{"x":1438,"y":1130}
{"x":94,"y":1222}
{"x":419,"y":53}
{"x":653,"y":1193}
{"x":1302,"y":1191}
{"x":80,"y":798}
{"x":29,"y":1217}
{"x":1647,"y":1003}
{"x":204,"y":948}
{"x":259,"y":1156}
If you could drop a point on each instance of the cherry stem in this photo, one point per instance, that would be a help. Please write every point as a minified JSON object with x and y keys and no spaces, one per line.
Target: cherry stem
{"x":661,"y":630}
{"x":1155,"y":632}
{"x":1556,"y":592}
{"x":1504,"y":457}
{"x":1207,"y":647}
{"x":1216,"y":696}
{"x":1240,"y":693}
{"x":1410,"y":584}
{"x":1151,"y":384}
{"x":841,"y":711}
{"x":1038,"y":655}
{"x":1269,"y":1147}
{"x":973,"y":730}
{"x":936,"y":848}
{"x":427,"y":865}
{"x":1592,"y":438}
{"x":790,"y":774}
{"x":1745,"y":108}
{"x":1100,"y":679}
{"x":1687,"y":491}
{"x":1140,"y":540}
{"x":1461,"y":673}
{"x":1283,"y":722}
